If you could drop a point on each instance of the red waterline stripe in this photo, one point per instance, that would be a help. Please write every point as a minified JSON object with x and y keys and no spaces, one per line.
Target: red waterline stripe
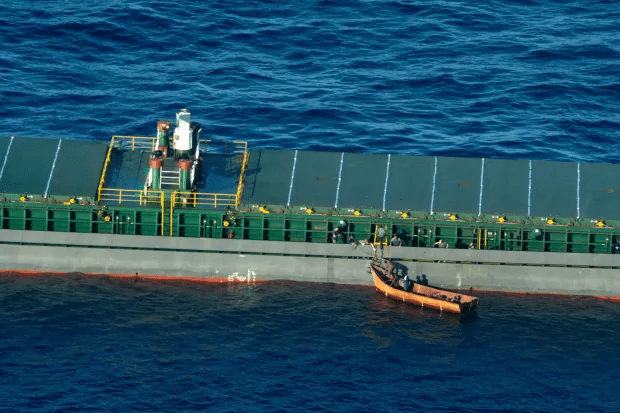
{"x":215,"y":280}
{"x":207,"y":280}
{"x":534,"y":293}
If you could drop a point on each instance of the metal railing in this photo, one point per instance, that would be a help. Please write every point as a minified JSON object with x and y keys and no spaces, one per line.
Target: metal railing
{"x":133,"y":197}
{"x":244,"y":165}
{"x":135,"y":142}
{"x":198,"y":199}
{"x":123,"y":142}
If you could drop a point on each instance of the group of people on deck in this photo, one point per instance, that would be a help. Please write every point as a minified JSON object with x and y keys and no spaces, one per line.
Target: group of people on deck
{"x":394,"y":242}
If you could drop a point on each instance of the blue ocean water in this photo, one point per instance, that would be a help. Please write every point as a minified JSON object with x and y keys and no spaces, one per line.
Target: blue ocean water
{"x":506,"y":79}
{"x":78,"y":343}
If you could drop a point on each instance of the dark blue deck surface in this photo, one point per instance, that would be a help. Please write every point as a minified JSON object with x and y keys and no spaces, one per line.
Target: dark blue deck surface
{"x":457,"y":185}
{"x":51,"y":167}
{"x":316,"y":178}
{"x":554,"y":189}
{"x":600,"y":196}
{"x":433,"y":184}
{"x":410,"y":183}
{"x":268,"y":177}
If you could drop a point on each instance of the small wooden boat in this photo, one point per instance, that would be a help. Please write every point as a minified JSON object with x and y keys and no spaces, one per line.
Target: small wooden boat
{"x":418,"y":294}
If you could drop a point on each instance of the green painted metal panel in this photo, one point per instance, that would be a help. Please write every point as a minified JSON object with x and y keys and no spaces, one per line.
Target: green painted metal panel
{"x":148,"y":223}
{"x":505,"y":187}
{"x":190,"y":224}
{"x":58,"y":220}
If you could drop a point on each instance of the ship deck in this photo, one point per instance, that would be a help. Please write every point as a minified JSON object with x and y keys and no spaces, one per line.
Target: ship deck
{"x":60,"y":169}
{"x":56,"y":169}
{"x":433,"y":184}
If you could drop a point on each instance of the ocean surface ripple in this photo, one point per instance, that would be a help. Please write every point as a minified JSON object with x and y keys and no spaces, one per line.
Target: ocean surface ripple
{"x":521,"y":79}
{"x":80,"y":343}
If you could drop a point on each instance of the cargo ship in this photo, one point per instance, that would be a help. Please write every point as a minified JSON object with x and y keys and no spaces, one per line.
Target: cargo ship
{"x":179,"y":205}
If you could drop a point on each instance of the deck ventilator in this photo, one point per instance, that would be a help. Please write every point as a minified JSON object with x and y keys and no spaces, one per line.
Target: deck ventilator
{"x":434,"y":184}
{"x":6,"y":157}
{"x":481,"y":182}
{"x":529,"y":192}
{"x":387,"y":173}
{"x":49,"y":180}
{"x":578,"y":181}
{"x":290,"y":190}
{"x":339,"y":179}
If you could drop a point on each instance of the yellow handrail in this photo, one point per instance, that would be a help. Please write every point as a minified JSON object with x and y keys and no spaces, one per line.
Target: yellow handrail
{"x":135,"y":196}
{"x":105,"y":169}
{"x":138,"y":142}
{"x":138,"y":196}
{"x":244,"y":165}
{"x":207,"y":199}
{"x":241,"y":147}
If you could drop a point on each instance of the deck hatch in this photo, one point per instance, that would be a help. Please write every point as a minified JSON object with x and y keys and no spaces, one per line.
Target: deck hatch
{"x":599,"y":191}
{"x":505,"y":188}
{"x":268,"y":177}
{"x":458,"y":185}
{"x":410,"y":183}
{"x":363,"y":181}
{"x":554,"y":189}
{"x":316,"y":178}
{"x":28,"y":166}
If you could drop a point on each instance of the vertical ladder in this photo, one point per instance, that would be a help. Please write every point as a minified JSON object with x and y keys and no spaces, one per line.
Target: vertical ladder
{"x":170,"y":177}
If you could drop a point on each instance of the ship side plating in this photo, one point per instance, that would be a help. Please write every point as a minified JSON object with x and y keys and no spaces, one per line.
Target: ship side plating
{"x":515,"y":225}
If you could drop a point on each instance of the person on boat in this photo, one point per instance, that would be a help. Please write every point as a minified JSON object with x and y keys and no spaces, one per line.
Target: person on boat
{"x":441,"y":244}
{"x":424,"y":280}
{"x":389,"y":269}
{"x":395,"y":242}
{"x":406,"y":283}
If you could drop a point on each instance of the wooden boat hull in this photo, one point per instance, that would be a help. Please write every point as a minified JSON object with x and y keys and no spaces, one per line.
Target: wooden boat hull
{"x":422,"y":295}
